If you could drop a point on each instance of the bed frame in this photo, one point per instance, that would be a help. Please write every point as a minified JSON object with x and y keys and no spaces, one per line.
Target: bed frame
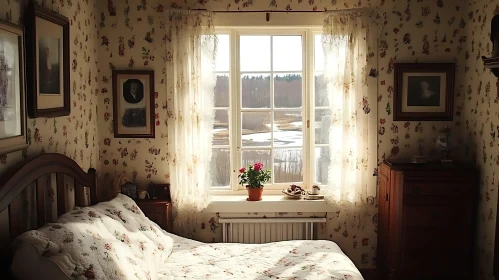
{"x":34,"y":171}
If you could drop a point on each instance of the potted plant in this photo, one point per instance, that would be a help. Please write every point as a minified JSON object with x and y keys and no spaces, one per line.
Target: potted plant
{"x":254,"y":177}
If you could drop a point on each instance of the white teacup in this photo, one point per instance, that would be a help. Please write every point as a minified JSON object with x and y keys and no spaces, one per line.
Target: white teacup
{"x":143,"y":194}
{"x":315,"y":190}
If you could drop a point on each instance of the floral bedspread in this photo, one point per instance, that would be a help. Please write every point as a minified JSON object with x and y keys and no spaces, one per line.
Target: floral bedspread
{"x":114,"y":240}
{"x":110,"y":240}
{"x":281,"y":260}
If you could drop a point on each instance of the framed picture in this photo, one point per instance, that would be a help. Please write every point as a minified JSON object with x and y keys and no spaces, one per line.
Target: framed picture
{"x":129,"y":189}
{"x":159,"y":191}
{"x":424,"y":91}
{"x":133,"y":103}
{"x":47,"y":57}
{"x":12,"y":95}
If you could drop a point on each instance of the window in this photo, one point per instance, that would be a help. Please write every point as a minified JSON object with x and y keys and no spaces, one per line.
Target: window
{"x":269,"y":88}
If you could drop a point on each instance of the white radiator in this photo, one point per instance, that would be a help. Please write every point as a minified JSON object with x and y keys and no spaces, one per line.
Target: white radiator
{"x":263,"y":230}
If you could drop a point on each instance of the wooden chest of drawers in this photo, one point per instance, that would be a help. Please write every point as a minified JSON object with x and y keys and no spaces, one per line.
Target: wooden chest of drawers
{"x":158,"y":211}
{"x":426,"y":220}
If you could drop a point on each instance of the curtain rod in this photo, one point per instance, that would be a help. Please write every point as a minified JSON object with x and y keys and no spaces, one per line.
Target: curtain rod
{"x":253,"y":11}
{"x":280,"y":11}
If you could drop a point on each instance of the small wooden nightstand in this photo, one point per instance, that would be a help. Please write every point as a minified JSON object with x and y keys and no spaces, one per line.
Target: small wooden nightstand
{"x":158,"y":211}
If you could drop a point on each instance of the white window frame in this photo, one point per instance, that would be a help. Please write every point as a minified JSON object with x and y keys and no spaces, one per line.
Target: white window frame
{"x":308,"y":102}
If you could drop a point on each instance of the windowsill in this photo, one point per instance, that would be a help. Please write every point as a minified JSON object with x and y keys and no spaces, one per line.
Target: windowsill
{"x":269,"y":203}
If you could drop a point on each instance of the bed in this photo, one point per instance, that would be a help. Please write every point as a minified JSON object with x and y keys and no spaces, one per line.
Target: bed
{"x":115,"y":240}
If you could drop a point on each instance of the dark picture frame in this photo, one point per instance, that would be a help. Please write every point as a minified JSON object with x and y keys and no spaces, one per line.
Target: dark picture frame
{"x":159,"y":191}
{"x":13,"y":136}
{"x":47,"y":39}
{"x":129,"y":189}
{"x":133,"y":104}
{"x":424,"y":91}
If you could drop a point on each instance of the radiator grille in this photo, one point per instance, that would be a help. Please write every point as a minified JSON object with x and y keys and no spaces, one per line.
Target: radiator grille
{"x":263,"y":230}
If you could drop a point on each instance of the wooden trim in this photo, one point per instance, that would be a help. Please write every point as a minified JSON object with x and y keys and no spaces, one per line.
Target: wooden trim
{"x":16,"y":225}
{"x":400,"y":68}
{"x":40,"y":200}
{"x":79,"y":195}
{"x":34,"y":11}
{"x":61,"y":194}
{"x":15,"y":180}
{"x":149,"y":73}
{"x":94,"y":196}
{"x":169,"y":219}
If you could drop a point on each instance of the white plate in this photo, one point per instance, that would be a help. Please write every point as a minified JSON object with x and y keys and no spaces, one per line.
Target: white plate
{"x":314,"y":197}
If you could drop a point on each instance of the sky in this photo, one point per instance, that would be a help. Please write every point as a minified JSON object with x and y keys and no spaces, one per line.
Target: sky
{"x":255,"y":52}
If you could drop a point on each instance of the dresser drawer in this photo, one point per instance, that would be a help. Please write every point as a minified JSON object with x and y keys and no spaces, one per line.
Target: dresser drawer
{"x":425,"y":216}
{"x":436,"y":239}
{"x":433,"y":263}
{"x":158,"y":211}
{"x":436,"y":187}
{"x":153,"y":208}
{"x":159,"y":219}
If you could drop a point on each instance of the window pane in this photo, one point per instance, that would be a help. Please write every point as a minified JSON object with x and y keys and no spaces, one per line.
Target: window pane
{"x":321,"y":164}
{"x":288,"y":128}
{"x":288,"y":165}
{"x":221,"y":128}
{"x":255,"y":53}
{"x":318,"y":53}
{"x":220,"y":167}
{"x":251,"y":157}
{"x":322,"y":124}
{"x":255,"y":90}
{"x":222,"y":61}
{"x":288,"y":90}
{"x":287,"y":53}
{"x":222,"y":96}
{"x":256,"y":128}
{"x":321,"y":98}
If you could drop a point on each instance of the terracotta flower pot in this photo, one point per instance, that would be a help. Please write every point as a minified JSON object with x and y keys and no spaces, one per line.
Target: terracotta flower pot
{"x":254,"y":194}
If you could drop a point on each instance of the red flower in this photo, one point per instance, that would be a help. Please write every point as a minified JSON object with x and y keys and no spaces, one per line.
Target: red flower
{"x":107,"y":246}
{"x":258,"y":166}
{"x":242,"y":170}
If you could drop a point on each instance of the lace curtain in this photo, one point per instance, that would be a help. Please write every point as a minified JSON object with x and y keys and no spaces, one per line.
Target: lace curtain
{"x":190,"y":78}
{"x":349,"y":44}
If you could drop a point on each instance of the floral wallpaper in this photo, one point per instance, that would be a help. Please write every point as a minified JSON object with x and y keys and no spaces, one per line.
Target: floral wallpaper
{"x":480,"y":125}
{"x":74,"y":135}
{"x":132,"y":36}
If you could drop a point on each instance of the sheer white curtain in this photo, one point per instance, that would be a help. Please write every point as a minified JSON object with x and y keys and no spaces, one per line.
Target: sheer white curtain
{"x":349,"y":42}
{"x":191,"y":50}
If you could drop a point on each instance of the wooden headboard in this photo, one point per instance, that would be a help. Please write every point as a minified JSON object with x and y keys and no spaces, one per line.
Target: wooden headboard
{"x":34,"y":172}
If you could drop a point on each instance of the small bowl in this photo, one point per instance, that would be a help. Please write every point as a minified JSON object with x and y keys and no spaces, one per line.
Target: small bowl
{"x":291,"y":195}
